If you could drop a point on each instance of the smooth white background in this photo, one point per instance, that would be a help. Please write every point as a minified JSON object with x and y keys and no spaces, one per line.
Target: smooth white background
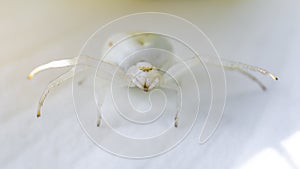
{"x":258,"y":130}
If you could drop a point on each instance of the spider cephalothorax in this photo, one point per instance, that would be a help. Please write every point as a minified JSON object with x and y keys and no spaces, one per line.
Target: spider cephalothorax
{"x":144,"y":76}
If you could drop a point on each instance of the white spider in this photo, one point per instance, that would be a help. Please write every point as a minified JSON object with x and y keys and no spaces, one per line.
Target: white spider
{"x":143,"y":71}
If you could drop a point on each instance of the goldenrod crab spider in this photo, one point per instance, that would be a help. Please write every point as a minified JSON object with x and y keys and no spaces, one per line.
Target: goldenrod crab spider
{"x":141,"y":71}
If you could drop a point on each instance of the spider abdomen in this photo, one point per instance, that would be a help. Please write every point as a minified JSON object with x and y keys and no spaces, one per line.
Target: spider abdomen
{"x":126,"y":50}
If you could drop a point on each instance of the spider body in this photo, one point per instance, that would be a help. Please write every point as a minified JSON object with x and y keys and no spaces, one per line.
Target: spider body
{"x":145,"y":62}
{"x":129,"y":49}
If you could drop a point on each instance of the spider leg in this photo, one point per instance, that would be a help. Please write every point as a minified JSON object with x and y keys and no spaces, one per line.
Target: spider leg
{"x":239,"y":66}
{"x":83,"y":60}
{"x":228,"y":65}
{"x":55,"y":83}
{"x":178,"y":107}
{"x":103,"y":85}
{"x":166,"y":84}
{"x":52,"y":65}
{"x":99,"y":115}
{"x":261,"y":85}
{"x":99,"y":101}
{"x":108,"y":71}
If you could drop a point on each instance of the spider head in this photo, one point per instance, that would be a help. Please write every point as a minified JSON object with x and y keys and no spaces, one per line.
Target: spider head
{"x":144,"y":76}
